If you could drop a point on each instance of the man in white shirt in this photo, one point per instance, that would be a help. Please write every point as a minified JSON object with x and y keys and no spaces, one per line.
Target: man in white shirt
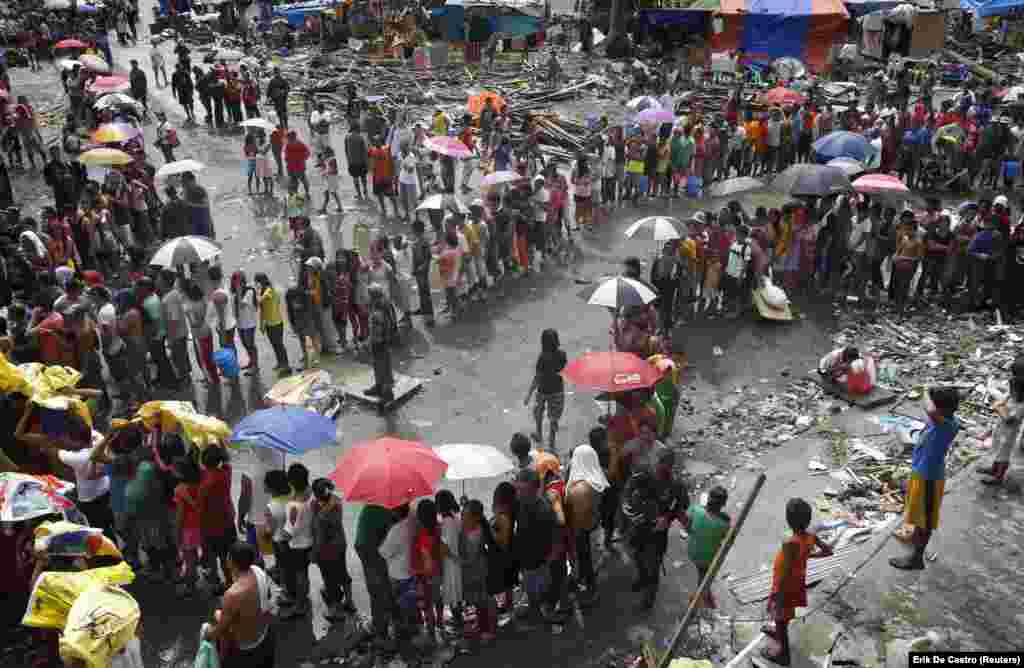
{"x":408,"y":178}
{"x":734,"y":282}
{"x":92,"y":485}
{"x":156,"y":58}
{"x":172,"y":303}
{"x":860,"y":231}
{"x":320,"y":126}
{"x":397,"y":552}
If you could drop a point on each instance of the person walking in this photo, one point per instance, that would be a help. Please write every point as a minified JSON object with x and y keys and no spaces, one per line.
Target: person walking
{"x":383,"y":170}
{"x":277,"y":93}
{"x":1010,"y":410}
{"x":156,"y":60}
{"x":296,"y":153}
{"x":183,"y":89}
{"x":137,"y":79}
{"x":549,"y":386}
{"x":166,"y":137}
{"x":358,"y":157}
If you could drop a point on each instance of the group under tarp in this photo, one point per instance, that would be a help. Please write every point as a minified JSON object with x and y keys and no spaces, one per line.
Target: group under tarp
{"x":985,"y":8}
{"x":452,"y":21}
{"x":770,"y":29}
{"x":859,"y":8}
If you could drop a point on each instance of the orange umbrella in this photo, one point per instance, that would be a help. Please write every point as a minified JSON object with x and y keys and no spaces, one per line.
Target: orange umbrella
{"x":475,"y":103}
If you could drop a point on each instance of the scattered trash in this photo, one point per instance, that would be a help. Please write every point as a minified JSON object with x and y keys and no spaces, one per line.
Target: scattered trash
{"x":717,"y":352}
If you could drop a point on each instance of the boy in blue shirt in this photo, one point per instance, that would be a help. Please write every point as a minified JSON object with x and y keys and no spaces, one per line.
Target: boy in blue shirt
{"x":928,"y":472}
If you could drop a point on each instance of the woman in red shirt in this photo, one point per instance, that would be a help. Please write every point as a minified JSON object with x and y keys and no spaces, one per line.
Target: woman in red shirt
{"x":216,"y":510}
{"x":428,"y":553}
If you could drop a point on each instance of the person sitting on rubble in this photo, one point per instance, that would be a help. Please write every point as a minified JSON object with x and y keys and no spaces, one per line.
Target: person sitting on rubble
{"x":835,"y":366}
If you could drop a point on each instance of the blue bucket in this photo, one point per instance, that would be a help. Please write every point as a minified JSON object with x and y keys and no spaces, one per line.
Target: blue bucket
{"x":694,"y":186}
{"x":1011,"y":169}
{"x":226,"y":360}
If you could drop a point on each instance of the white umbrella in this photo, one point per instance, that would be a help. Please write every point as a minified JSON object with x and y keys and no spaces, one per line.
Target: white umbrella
{"x":643,"y":102}
{"x":111,"y":100}
{"x":179,"y":167}
{"x":185,"y":250}
{"x":261,"y":123}
{"x":467,"y":461}
{"x":851,"y":166}
{"x":504,"y":176}
{"x":441,"y":201}
{"x":228,"y":54}
{"x":67,"y":63}
{"x":656,"y":228}
{"x":618,"y":292}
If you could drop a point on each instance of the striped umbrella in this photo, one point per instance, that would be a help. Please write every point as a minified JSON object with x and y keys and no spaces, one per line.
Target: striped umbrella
{"x":105,"y":157}
{"x":880,"y":183}
{"x":449,"y":146}
{"x":110,"y":133}
{"x":114,"y":83}
{"x":185,"y":250}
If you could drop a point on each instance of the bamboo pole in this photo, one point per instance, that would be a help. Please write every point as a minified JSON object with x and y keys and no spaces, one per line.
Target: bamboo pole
{"x":716,"y":565}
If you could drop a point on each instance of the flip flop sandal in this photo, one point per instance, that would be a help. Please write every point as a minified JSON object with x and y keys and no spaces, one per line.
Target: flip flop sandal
{"x":774,"y":658}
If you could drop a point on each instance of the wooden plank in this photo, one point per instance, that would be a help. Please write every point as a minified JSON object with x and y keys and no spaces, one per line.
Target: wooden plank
{"x":877,"y":397}
{"x":357,"y":378}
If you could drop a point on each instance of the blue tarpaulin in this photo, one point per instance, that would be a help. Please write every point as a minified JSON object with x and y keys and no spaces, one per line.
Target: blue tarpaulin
{"x":985,"y":8}
{"x":858,"y":8}
{"x":687,"y":20}
{"x":296,"y":14}
{"x":510,"y":25}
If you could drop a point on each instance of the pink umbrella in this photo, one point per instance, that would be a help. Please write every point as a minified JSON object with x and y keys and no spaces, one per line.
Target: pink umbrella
{"x":654,"y":116}
{"x":880,"y":183}
{"x":449,"y":146}
{"x":114,"y":83}
{"x":504,"y":176}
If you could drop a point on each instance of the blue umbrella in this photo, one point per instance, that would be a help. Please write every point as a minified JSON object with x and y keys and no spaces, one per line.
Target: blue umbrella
{"x":842,"y":144}
{"x":287,"y":429}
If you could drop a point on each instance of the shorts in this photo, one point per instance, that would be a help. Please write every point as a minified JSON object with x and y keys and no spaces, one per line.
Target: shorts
{"x":408,"y":194}
{"x":219,"y":546}
{"x":357,"y":171}
{"x":555,"y":404}
{"x":382,"y":188}
{"x":191,"y":539}
{"x":250,"y":167}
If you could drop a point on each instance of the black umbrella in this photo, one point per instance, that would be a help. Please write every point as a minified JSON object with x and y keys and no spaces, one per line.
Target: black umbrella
{"x":811,"y":180}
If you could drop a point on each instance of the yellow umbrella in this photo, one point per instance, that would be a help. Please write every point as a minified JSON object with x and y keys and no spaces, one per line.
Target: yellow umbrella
{"x":55,"y":592}
{"x":103,"y":620}
{"x":202,"y":430}
{"x":105,"y":157}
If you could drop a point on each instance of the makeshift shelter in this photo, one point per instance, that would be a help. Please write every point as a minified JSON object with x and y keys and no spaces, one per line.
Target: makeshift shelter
{"x":770,"y":29}
{"x":986,"y":8}
{"x":687,"y":18}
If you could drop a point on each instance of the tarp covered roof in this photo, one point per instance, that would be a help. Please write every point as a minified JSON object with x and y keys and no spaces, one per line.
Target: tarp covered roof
{"x":785,"y":8}
{"x":992,"y":7}
{"x":858,"y":8}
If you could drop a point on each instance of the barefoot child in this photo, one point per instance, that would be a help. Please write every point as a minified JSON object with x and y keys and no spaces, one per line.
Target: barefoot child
{"x":928,"y":472}
{"x":332,"y":180}
{"x":186,"y":501}
{"x":708,"y":528}
{"x":789,"y":578}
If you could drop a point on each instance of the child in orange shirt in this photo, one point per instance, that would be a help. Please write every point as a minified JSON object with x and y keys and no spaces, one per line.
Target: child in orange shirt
{"x":789,"y":578}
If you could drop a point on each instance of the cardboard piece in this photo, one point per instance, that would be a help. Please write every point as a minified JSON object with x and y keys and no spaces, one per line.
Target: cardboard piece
{"x":356,"y":378}
{"x":877,"y":397}
{"x":928,"y":34}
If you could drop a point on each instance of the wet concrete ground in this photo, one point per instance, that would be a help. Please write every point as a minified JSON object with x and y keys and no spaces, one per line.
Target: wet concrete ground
{"x":476,"y":373}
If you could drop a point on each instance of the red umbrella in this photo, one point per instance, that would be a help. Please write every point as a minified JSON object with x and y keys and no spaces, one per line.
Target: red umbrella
{"x":780,"y":97}
{"x":388,"y":472}
{"x":71,"y":44}
{"x":880,"y":183}
{"x":611,"y":372}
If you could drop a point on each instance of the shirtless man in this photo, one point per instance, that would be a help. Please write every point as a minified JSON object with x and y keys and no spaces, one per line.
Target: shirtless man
{"x":242,"y":617}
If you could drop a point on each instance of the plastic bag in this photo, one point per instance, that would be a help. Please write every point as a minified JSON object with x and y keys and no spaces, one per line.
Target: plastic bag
{"x":55,"y":592}
{"x":100,"y":624}
{"x":227,"y":361}
{"x":774,"y":295}
{"x":206,"y":656}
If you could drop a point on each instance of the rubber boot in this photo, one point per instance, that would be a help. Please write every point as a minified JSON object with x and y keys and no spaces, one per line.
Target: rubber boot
{"x":915,"y":560}
{"x":997,"y":474}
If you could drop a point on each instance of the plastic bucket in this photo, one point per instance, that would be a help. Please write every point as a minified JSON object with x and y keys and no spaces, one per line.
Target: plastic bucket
{"x":694,"y":186}
{"x":227,"y":361}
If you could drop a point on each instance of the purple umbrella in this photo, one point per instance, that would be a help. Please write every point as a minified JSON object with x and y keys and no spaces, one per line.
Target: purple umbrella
{"x":655,"y":116}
